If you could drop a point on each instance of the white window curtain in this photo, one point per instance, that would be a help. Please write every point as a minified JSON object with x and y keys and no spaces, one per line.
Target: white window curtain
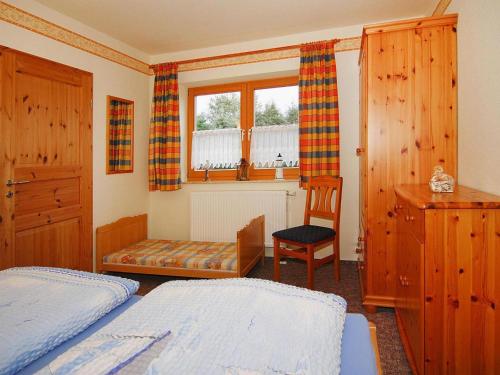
{"x":220,"y":148}
{"x":269,"y":141}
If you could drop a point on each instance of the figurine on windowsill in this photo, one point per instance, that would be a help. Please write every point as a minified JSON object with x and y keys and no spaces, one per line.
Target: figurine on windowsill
{"x":242,"y":171}
{"x":441,"y":182}
{"x":278,"y":163}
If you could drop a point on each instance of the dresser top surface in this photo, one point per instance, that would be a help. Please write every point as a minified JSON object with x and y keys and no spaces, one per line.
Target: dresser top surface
{"x":422,"y":197}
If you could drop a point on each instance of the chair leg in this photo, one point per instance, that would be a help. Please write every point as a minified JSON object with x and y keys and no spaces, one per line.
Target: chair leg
{"x":277,"y":275}
{"x":336,"y":263}
{"x":310,"y":267}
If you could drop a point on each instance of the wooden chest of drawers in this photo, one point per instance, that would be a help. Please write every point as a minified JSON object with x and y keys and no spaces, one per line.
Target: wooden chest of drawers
{"x":448,"y":279}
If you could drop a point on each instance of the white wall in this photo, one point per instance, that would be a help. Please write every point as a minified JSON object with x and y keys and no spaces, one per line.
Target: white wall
{"x":170,"y":211}
{"x":478,"y":93}
{"x":114,"y":195}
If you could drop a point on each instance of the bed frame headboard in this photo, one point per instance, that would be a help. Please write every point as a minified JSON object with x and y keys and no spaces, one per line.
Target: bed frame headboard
{"x":119,"y":234}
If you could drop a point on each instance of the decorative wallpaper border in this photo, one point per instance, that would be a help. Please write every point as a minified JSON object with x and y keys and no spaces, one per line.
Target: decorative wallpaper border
{"x":346,"y":44}
{"x":21,"y":18}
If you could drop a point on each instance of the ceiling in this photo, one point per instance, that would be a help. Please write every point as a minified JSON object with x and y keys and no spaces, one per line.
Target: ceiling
{"x":160,"y":26}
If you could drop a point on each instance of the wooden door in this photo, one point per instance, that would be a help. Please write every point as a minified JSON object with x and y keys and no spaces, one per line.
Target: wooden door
{"x":409,"y":300}
{"x":400,"y":302}
{"x":46,"y":164}
{"x":409,"y":297}
{"x":361,"y":153}
{"x":413,"y":283}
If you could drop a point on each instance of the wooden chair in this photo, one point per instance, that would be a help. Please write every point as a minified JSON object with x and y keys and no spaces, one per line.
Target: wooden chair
{"x":310,"y":238}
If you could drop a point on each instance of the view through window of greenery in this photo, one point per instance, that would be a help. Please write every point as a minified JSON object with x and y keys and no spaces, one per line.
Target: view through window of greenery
{"x":276,"y":106}
{"x":218,"y":111}
{"x":273,"y":106}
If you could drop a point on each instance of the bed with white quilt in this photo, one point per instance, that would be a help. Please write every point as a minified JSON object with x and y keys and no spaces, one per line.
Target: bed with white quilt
{"x":55,"y":321}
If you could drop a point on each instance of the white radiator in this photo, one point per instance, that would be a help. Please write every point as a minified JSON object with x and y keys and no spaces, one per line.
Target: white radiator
{"x":217,"y":216}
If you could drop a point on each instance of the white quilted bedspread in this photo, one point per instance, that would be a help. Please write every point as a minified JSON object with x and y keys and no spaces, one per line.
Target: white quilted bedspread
{"x":42,"y":307}
{"x":231,"y":326}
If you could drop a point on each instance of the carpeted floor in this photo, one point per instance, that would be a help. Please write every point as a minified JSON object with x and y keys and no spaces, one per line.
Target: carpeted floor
{"x":294,"y":272}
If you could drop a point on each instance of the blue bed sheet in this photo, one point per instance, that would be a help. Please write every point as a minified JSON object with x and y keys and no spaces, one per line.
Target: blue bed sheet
{"x":357,"y":355}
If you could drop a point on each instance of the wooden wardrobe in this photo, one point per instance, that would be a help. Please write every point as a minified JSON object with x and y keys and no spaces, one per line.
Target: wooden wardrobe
{"x":46,"y":163}
{"x":408,"y":121}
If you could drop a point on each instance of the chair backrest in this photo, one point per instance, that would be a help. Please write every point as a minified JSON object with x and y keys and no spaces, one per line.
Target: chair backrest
{"x":324,"y":187}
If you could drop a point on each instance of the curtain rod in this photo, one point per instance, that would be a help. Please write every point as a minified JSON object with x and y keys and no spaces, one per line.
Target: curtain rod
{"x":345,"y":44}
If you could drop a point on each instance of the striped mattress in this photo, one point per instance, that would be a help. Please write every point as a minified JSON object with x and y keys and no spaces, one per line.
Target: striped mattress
{"x":220,"y":256}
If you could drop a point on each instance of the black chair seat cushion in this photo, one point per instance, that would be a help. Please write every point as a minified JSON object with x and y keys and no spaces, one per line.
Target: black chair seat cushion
{"x":305,"y":234}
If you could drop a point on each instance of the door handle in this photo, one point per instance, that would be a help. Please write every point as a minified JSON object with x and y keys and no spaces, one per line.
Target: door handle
{"x":20,"y":182}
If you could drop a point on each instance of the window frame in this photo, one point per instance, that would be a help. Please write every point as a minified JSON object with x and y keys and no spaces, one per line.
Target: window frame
{"x":246,"y":90}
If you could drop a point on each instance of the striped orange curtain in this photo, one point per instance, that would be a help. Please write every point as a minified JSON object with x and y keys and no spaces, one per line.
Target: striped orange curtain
{"x":121,"y":114}
{"x":318,"y":112}
{"x":164,"y":131}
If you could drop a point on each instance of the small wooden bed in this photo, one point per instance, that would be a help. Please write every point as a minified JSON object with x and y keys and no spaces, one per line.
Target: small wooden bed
{"x":123,"y":246}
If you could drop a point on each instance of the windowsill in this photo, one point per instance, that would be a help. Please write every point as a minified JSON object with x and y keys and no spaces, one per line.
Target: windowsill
{"x":214,"y":182}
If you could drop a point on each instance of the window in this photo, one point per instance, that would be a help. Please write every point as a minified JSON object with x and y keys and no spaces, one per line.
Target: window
{"x":216,"y":141}
{"x":254,"y":120}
